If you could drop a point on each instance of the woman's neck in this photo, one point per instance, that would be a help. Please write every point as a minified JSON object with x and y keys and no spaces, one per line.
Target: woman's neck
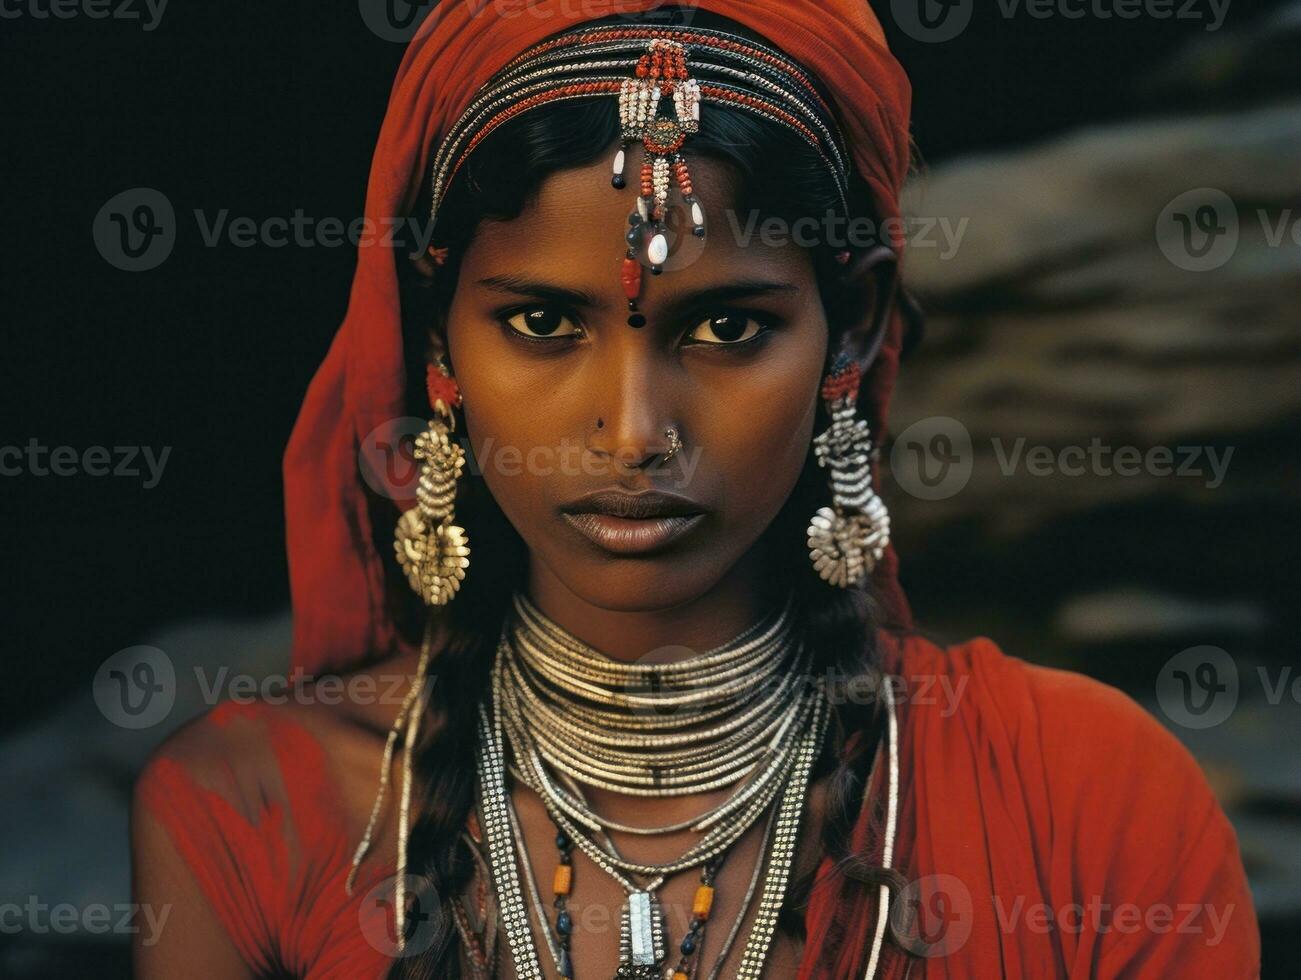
{"x":672,"y":633}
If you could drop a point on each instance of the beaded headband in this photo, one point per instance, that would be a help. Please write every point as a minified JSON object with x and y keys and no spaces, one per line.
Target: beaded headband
{"x":643,"y":67}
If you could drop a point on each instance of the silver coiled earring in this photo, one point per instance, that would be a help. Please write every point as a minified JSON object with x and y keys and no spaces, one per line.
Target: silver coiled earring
{"x":847,"y":539}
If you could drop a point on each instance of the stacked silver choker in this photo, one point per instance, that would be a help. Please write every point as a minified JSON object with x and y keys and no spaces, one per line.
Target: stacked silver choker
{"x":564,"y":716}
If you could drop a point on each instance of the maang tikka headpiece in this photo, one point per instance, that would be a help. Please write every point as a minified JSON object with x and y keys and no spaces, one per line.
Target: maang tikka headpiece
{"x":661,"y":76}
{"x":661,"y":73}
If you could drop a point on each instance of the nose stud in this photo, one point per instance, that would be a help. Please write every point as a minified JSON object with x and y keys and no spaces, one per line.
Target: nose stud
{"x":675,"y":442}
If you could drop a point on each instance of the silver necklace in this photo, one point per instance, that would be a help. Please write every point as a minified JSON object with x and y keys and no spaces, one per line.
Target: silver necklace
{"x":560,"y":673}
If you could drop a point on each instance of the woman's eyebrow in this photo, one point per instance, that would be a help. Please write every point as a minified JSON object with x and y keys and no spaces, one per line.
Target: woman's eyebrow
{"x":678,"y":305}
{"x":520,"y":286}
{"x":688,"y":302}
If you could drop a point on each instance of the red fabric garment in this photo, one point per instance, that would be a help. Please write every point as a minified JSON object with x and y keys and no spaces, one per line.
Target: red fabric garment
{"x":1032,"y":791}
{"x":336,"y":576}
{"x":1039,"y":787}
{"x":1042,"y":813}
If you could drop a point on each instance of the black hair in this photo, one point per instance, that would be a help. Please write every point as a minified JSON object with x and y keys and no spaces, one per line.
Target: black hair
{"x":779,"y":175}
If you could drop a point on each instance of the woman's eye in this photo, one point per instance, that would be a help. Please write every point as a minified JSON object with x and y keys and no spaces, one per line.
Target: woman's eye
{"x":732,"y":327}
{"x":542,"y":321}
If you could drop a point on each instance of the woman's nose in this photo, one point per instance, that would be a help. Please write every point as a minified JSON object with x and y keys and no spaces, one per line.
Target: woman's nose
{"x":631,"y":412}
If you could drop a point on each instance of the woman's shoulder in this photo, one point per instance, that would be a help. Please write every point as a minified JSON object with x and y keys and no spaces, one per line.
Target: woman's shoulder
{"x":1087,"y":746}
{"x":1046,"y":787}
{"x":299,"y":761}
{"x":1064,"y":714}
{"x":258,"y":804}
{"x":248,"y":738}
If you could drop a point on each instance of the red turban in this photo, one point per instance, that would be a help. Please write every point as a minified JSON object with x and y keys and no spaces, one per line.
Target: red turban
{"x":336,"y":575}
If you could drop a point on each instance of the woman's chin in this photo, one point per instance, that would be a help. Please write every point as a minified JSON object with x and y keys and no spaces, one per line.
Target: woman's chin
{"x":640,"y":583}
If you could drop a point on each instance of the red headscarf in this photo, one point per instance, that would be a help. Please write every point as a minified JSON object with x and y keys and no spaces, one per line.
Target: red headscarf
{"x":336,"y":575}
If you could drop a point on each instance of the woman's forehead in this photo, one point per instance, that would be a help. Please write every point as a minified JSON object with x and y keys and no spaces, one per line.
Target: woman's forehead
{"x":574,"y":224}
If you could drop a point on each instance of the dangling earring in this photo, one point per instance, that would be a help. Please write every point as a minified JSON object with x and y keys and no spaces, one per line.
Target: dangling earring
{"x":847,"y":539}
{"x":431,"y":549}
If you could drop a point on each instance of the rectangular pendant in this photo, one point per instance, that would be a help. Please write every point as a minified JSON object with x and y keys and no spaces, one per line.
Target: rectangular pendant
{"x":641,"y":932}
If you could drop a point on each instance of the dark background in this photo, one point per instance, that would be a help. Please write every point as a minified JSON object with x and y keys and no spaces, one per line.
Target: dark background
{"x":263,"y":109}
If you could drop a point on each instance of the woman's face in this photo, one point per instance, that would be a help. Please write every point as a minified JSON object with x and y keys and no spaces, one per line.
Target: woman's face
{"x":563,"y":399}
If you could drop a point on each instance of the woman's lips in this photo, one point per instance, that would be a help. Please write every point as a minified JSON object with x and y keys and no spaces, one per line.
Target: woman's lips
{"x":632,"y":535}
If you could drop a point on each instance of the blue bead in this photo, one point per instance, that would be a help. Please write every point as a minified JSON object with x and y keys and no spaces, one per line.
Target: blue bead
{"x":565,"y":968}
{"x":562,"y":840}
{"x":688,"y":945}
{"x":564,"y":924}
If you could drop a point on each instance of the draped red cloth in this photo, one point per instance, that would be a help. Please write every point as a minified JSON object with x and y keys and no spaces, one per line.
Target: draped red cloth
{"x":1049,"y":827}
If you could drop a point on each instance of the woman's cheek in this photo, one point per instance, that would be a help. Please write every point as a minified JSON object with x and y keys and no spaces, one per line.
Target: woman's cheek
{"x":764,"y":452}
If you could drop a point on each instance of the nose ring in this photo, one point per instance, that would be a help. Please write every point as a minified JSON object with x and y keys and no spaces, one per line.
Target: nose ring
{"x":675,"y":442}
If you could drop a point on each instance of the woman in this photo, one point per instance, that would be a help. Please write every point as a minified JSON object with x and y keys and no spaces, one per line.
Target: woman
{"x":662,"y":710}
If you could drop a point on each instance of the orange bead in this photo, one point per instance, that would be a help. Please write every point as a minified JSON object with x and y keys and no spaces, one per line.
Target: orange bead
{"x":704,"y":901}
{"x":679,"y":975}
{"x":564,"y":879}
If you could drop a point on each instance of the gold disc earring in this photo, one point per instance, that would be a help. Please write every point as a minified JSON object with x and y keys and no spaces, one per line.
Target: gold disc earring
{"x":432,"y":550}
